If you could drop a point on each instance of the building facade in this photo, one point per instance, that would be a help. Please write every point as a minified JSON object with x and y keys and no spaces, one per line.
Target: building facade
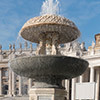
{"x":14,"y":85}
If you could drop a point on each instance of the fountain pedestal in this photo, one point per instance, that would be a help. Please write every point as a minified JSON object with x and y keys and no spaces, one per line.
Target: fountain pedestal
{"x":47,"y":94}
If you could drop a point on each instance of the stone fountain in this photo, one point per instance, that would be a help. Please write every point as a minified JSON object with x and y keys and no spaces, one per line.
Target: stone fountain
{"x":48,"y":68}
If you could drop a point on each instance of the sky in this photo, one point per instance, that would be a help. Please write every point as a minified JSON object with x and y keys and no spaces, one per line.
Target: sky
{"x":14,"y":13}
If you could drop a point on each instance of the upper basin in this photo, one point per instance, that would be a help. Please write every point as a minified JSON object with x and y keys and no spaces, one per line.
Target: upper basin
{"x":63,"y":67}
{"x":48,"y":24}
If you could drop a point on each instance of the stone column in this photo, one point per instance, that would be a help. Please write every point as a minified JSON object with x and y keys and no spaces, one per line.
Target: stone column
{"x":66,"y":84}
{"x":10,"y":83}
{"x":13,"y":84}
{"x":0,"y":82}
{"x":73,"y":88}
{"x":97,"y":84}
{"x":81,"y":79}
{"x":91,"y":74}
{"x":67,"y":88}
{"x":63,"y":83}
{"x":20,"y":86}
{"x":30,"y":83}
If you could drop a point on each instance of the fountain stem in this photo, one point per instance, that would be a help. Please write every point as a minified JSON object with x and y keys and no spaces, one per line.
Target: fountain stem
{"x":55,"y":44}
{"x":48,"y":44}
{"x":41,"y":50}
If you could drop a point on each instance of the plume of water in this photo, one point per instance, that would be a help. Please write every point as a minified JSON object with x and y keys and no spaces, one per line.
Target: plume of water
{"x":50,"y":7}
{"x":19,"y":40}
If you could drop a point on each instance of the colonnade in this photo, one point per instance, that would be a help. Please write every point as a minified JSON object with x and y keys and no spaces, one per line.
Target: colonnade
{"x":97,"y":80}
{"x":12,"y":84}
{"x":94,"y":77}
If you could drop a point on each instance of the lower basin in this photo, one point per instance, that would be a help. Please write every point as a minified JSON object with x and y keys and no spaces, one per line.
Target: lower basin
{"x":48,"y":67}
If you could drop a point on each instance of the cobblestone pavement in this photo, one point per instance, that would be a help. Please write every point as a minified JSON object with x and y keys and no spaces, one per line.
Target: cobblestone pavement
{"x":14,"y":98}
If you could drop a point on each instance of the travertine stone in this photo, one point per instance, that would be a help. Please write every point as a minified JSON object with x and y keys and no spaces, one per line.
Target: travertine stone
{"x":47,"y":24}
{"x":67,"y":84}
{"x":20,"y":86}
{"x":55,"y":42}
{"x":10,"y":82}
{"x":73,"y":89}
{"x":97,"y":85}
{"x":42,"y":45}
{"x":13,"y":84}
{"x":50,"y":93}
{"x":48,"y":43}
{"x":92,"y":74}
{"x":29,"y":83}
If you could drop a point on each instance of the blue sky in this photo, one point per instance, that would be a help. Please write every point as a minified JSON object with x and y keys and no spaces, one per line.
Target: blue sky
{"x":14,"y":13}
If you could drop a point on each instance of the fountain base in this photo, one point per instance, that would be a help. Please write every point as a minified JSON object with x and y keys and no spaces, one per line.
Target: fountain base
{"x":48,"y":82}
{"x":47,"y":94}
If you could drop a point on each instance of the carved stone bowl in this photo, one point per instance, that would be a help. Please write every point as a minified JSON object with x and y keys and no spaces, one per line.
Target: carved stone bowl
{"x":50,"y":24}
{"x":48,"y":71}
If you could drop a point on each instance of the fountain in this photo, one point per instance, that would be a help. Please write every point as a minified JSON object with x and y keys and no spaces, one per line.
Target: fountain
{"x":48,"y":68}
